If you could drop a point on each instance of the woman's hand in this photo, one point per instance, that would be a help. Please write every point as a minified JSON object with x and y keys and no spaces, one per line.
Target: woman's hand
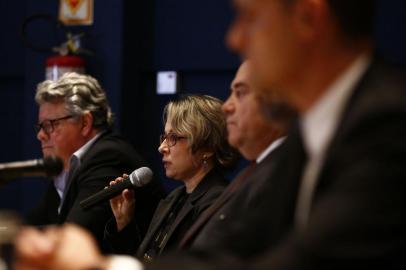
{"x":123,"y":205}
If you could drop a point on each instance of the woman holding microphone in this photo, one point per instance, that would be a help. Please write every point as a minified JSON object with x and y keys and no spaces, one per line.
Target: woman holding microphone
{"x":194,"y":151}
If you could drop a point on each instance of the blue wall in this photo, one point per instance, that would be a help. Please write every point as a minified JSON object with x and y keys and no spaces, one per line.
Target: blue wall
{"x":131,"y":41}
{"x":12,"y":78}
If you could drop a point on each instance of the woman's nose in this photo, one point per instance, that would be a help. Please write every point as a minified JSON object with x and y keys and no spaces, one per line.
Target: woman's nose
{"x":163,"y":147}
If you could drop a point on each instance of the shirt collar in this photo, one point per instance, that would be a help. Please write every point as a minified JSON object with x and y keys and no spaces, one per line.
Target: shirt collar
{"x":318,"y":124}
{"x":269,"y":149}
{"x":78,"y":155}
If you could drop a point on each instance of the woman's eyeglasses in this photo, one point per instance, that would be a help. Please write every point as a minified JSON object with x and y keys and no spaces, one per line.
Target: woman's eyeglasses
{"x":170,"y":138}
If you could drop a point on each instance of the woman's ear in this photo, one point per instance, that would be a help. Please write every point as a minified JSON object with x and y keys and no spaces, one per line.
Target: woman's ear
{"x":207,"y":154}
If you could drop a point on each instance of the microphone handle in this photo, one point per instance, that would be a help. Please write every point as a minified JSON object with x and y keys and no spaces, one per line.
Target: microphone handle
{"x":105,"y":194}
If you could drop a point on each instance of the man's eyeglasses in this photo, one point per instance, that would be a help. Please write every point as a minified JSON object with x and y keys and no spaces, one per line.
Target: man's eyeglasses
{"x":171,"y":139}
{"x":49,"y":125}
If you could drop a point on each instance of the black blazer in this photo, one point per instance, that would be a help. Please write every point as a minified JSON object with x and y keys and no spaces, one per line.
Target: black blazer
{"x":357,"y":219}
{"x":200,"y":199}
{"x":110,"y":156}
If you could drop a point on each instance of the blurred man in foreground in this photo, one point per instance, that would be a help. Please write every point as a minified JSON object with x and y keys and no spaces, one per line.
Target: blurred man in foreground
{"x":318,"y":55}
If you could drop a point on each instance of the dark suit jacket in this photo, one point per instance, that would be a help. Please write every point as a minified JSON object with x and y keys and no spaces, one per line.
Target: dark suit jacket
{"x":200,"y":199}
{"x":357,"y":219}
{"x":110,"y":156}
{"x":215,"y":234}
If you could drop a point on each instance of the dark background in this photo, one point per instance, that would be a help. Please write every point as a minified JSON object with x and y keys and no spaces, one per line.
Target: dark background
{"x":131,"y":41}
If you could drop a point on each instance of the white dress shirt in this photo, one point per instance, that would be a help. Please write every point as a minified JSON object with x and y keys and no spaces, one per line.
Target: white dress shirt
{"x":269,"y":149}
{"x":318,"y":126}
{"x":60,"y":181}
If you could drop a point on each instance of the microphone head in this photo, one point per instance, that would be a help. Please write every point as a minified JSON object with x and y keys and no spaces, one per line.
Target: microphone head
{"x":53,"y":165}
{"x":141,"y":176}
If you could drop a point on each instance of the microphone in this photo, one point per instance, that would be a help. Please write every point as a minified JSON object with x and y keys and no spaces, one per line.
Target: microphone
{"x":138,"y":178}
{"x":49,"y":166}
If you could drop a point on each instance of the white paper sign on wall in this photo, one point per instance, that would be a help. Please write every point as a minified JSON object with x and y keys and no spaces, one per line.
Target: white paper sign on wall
{"x":166,"y":82}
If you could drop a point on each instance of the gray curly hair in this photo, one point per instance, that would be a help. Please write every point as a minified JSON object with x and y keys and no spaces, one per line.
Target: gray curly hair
{"x":81,"y":94}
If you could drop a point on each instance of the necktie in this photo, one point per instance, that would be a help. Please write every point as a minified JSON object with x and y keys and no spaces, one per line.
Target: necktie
{"x":234,"y":186}
{"x":291,"y":172}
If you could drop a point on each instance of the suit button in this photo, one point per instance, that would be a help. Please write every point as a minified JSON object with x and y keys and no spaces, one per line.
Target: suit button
{"x":222,"y":216}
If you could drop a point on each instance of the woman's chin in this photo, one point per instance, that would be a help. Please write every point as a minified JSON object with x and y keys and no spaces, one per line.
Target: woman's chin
{"x":169,"y":174}
{"x":173,"y":176}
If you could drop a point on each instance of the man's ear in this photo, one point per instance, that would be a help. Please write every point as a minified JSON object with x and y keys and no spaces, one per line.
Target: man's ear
{"x":310,"y":18}
{"x":87,"y":124}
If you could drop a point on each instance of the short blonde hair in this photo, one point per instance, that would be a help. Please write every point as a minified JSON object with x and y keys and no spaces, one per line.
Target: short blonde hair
{"x":201,"y":119}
